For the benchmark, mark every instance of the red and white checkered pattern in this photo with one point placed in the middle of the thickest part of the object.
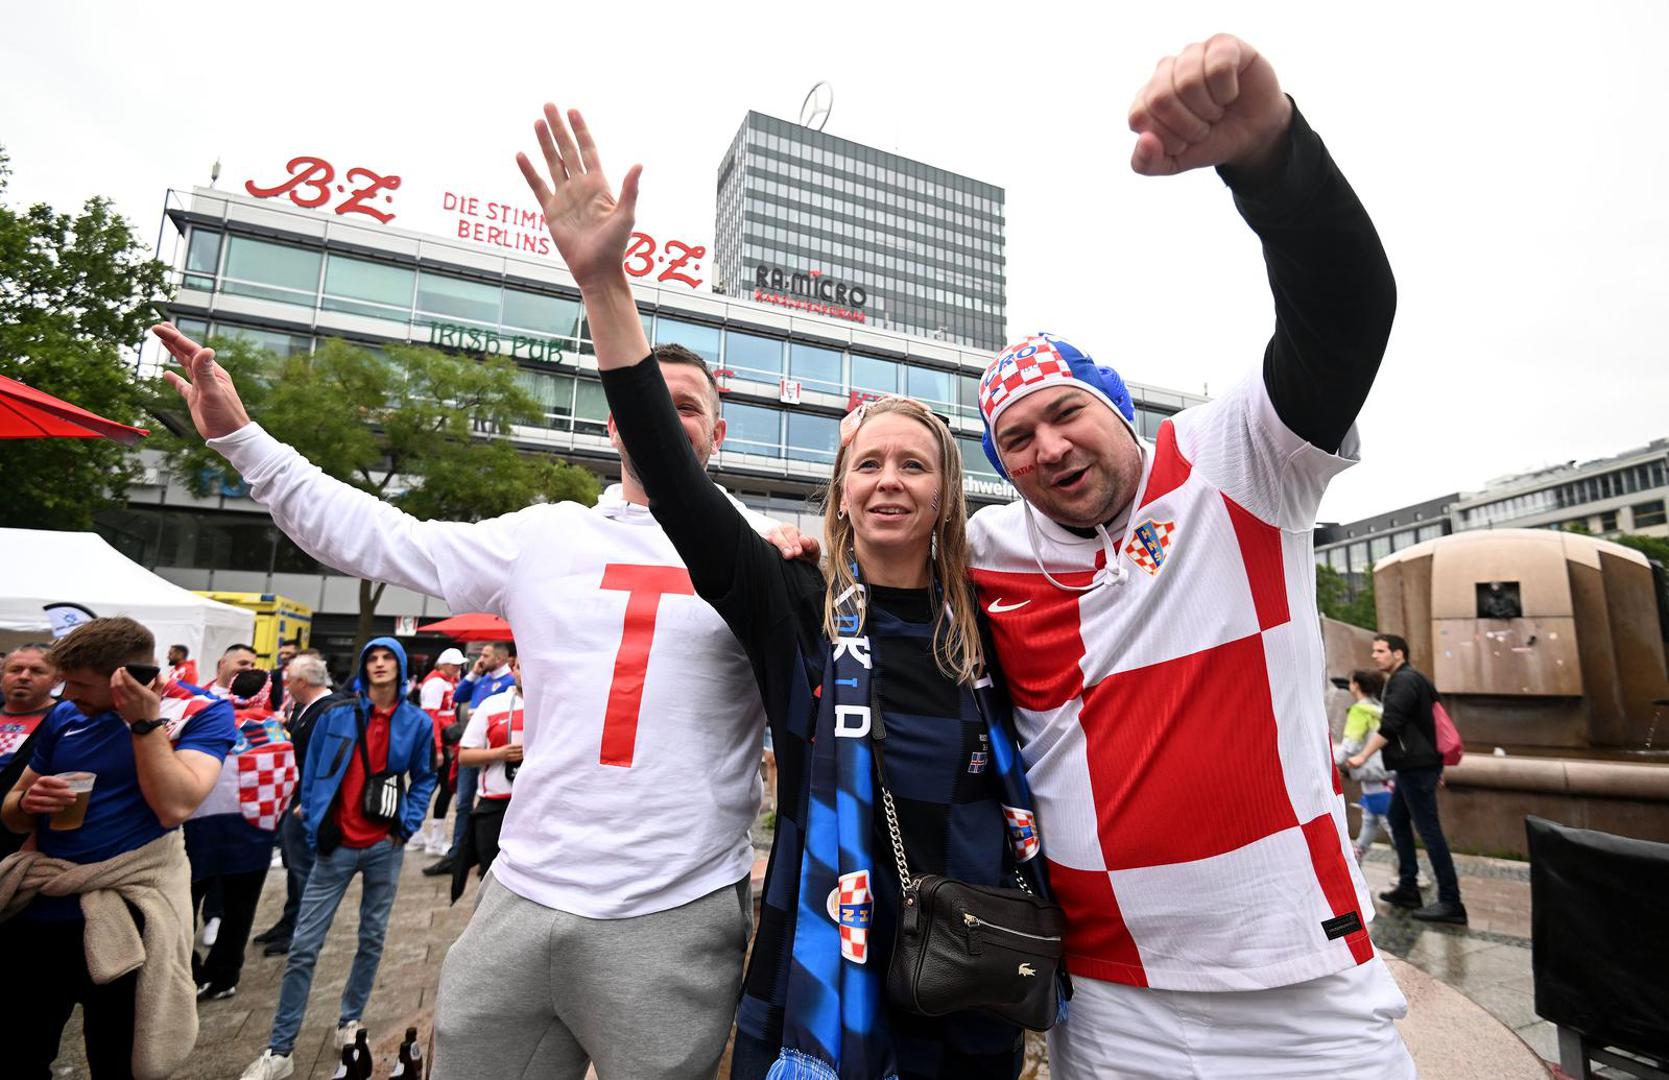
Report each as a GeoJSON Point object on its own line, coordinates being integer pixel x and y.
{"type": "Point", "coordinates": [1138, 552]}
{"type": "Point", "coordinates": [1172, 724]}
{"type": "Point", "coordinates": [13, 736]}
{"type": "Point", "coordinates": [1022, 833]}
{"type": "Point", "coordinates": [1032, 360]}
{"type": "Point", "coordinates": [266, 779]}
{"type": "Point", "coordinates": [854, 890]}
{"type": "Point", "coordinates": [180, 705]}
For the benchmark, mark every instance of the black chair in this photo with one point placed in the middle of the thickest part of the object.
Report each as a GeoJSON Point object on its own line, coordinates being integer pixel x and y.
{"type": "Point", "coordinates": [1599, 916]}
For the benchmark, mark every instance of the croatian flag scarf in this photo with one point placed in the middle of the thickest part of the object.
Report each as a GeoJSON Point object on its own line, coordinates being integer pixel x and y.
{"type": "Point", "coordinates": [835, 1009]}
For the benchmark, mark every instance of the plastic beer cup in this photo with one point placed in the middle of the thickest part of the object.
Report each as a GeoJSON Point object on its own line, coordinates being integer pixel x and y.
{"type": "Point", "coordinates": [71, 816]}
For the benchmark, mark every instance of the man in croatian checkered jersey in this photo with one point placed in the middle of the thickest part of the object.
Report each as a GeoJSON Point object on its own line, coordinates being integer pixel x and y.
{"type": "Point", "coordinates": [1153, 609]}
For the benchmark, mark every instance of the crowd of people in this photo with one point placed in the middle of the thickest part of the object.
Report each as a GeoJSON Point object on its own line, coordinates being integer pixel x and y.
{"type": "Point", "coordinates": [1101, 696]}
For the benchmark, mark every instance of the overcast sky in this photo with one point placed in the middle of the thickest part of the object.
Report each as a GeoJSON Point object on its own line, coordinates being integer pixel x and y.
{"type": "Point", "coordinates": [1513, 158]}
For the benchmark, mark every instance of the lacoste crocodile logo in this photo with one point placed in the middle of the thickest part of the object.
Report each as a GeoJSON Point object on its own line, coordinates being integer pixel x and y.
{"type": "Point", "coordinates": [1026, 970]}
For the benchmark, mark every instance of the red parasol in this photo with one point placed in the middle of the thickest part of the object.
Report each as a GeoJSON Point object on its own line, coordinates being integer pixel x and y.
{"type": "Point", "coordinates": [476, 626]}
{"type": "Point", "coordinates": [27, 413]}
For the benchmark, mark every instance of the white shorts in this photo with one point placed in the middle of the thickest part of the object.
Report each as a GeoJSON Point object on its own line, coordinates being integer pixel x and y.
{"type": "Point", "coordinates": [1341, 1025]}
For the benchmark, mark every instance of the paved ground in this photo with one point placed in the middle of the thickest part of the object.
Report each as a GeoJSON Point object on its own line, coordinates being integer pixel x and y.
{"type": "Point", "coordinates": [1488, 963]}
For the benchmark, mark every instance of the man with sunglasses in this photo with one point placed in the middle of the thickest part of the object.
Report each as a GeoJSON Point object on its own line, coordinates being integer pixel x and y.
{"type": "Point", "coordinates": [152, 751]}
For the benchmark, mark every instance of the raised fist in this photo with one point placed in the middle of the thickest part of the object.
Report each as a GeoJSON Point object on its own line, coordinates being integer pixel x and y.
{"type": "Point", "coordinates": [1217, 102]}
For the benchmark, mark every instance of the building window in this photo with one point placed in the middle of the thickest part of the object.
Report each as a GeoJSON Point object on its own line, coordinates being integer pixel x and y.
{"type": "Point", "coordinates": [974, 462]}
{"type": "Point", "coordinates": [554, 393]}
{"type": "Point", "coordinates": [753, 357]}
{"type": "Point", "coordinates": [458, 298]}
{"type": "Point", "coordinates": [1608, 521]}
{"type": "Point", "coordinates": [1649, 513]}
{"type": "Point", "coordinates": [813, 438]}
{"type": "Point", "coordinates": [750, 429]}
{"type": "Point", "coordinates": [1358, 557]}
{"type": "Point", "coordinates": [557, 316]}
{"type": "Point", "coordinates": [1429, 532]}
{"type": "Point", "coordinates": [701, 340]}
{"type": "Point", "coordinates": [818, 369]}
{"type": "Point", "coordinates": [360, 287]}
{"type": "Point", "coordinates": [1148, 421]}
{"type": "Point", "coordinates": [203, 255]}
{"type": "Point", "coordinates": [590, 407]}
{"type": "Point", "coordinates": [275, 342]}
{"type": "Point", "coordinates": [936, 389]}
{"type": "Point", "coordinates": [271, 271]}
{"type": "Point", "coordinates": [1379, 547]}
{"type": "Point", "coordinates": [874, 376]}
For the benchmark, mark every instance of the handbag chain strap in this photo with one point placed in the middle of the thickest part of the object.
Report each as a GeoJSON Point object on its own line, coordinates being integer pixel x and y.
{"type": "Point", "coordinates": [904, 877]}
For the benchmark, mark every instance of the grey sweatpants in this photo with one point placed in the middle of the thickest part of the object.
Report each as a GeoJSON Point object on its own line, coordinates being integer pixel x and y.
{"type": "Point", "coordinates": [529, 991]}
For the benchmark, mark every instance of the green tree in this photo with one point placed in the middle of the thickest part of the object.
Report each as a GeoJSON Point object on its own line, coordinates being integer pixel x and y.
{"type": "Point", "coordinates": [421, 429]}
{"type": "Point", "coordinates": [1653, 547]}
{"type": "Point", "coordinates": [75, 290]}
{"type": "Point", "coordinates": [1337, 600]}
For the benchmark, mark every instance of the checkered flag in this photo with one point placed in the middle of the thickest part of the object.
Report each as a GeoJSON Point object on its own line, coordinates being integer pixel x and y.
{"type": "Point", "coordinates": [266, 779]}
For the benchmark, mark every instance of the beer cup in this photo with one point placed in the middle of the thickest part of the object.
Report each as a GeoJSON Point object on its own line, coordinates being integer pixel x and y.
{"type": "Point", "coordinates": [71, 816]}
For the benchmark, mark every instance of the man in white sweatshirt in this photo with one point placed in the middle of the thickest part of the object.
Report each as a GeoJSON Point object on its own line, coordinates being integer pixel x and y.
{"type": "Point", "coordinates": [621, 886]}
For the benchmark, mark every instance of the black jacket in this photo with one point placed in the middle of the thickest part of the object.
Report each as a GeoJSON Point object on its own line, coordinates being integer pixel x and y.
{"type": "Point", "coordinates": [1410, 731]}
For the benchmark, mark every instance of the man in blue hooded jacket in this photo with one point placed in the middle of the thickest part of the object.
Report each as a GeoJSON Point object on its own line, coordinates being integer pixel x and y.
{"type": "Point", "coordinates": [364, 789]}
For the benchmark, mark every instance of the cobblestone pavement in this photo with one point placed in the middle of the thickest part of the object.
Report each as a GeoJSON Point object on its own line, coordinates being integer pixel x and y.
{"type": "Point", "coordinates": [1489, 962]}
{"type": "Point", "coordinates": [233, 1032]}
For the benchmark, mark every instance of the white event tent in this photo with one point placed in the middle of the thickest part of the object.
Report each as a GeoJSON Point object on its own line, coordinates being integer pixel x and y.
{"type": "Point", "coordinates": [40, 568]}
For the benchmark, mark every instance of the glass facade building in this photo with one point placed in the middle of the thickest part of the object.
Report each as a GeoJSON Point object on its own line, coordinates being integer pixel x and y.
{"type": "Point", "coordinates": [924, 245]}
{"type": "Point", "coordinates": [287, 279]}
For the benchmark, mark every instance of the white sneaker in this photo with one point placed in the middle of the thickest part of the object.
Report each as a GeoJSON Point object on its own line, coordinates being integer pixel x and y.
{"type": "Point", "coordinates": [269, 1066]}
{"type": "Point", "coordinates": [346, 1034]}
{"type": "Point", "coordinates": [211, 931]}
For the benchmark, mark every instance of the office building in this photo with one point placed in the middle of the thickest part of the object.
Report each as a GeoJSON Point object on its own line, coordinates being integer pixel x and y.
{"type": "Point", "coordinates": [810, 219]}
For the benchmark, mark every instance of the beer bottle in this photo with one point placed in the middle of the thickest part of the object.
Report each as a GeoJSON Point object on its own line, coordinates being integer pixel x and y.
{"type": "Point", "coordinates": [349, 1068]}
{"type": "Point", "coordinates": [410, 1064]}
{"type": "Point", "coordinates": [362, 1054]}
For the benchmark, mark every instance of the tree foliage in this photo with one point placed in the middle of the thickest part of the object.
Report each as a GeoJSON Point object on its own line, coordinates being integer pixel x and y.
{"type": "Point", "coordinates": [1337, 600]}
{"type": "Point", "coordinates": [421, 429]}
{"type": "Point", "coordinates": [75, 290]}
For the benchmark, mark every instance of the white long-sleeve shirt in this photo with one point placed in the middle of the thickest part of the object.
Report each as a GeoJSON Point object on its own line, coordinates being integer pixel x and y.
{"type": "Point", "coordinates": [643, 726]}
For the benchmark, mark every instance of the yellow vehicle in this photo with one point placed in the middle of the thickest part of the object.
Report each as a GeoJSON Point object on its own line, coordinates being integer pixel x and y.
{"type": "Point", "coordinates": [277, 619]}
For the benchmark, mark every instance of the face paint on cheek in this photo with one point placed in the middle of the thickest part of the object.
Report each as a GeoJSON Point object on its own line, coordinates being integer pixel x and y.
{"type": "Point", "coordinates": [1023, 470]}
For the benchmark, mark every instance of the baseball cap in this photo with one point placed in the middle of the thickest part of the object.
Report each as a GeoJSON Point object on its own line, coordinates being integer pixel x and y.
{"type": "Point", "coordinates": [1042, 362]}
{"type": "Point", "coordinates": [450, 656]}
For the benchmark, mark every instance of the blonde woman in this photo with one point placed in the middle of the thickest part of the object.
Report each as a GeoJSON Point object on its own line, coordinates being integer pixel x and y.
{"type": "Point", "coordinates": [885, 650]}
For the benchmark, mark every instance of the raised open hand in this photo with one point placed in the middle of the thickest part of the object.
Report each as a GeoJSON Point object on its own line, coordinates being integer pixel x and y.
{"type": "Point", "coordinates": [1217, 102]}
{"type": "Point", "coordinates": [207, 389]}
{"type": "Point", "coordinates": [590, 224]}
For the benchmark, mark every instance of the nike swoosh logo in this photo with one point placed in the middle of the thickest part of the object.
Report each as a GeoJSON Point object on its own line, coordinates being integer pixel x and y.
{"type": "Point", "coordinates": [998, 607]}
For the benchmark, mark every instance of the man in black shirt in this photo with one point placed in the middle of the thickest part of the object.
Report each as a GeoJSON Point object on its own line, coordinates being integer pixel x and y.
{"type": "Point", "coordinates": [1408, 736]}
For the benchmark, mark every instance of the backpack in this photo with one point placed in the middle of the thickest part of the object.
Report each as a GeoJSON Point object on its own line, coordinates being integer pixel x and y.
{"type": "Point", "coordinates": [1449, 744]}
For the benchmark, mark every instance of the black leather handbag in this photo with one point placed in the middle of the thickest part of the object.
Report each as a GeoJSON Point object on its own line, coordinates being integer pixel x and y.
{"type": "Point", "coordinates": [982, 947]}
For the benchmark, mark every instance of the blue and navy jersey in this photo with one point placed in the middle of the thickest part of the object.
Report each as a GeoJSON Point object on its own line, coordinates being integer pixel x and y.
{"type": "Point", "coordinates": [118, 817]}
{"type": "Point", "coordinates": [473, 691]}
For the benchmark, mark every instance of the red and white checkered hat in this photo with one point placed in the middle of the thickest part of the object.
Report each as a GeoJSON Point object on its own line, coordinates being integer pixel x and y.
{"type": "Point", "coordinates": [1040, 362]}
